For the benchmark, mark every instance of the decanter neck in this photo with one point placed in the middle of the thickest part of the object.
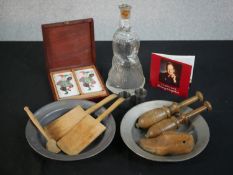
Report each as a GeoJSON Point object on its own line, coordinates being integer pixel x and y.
{"type": "Point", "coordinates": [125, 24]}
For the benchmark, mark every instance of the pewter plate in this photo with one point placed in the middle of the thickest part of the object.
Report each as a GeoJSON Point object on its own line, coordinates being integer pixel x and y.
{"type": "Point", "coordinates": [56, 109]}
{"type": "Point", "coordinates": [131, 135]}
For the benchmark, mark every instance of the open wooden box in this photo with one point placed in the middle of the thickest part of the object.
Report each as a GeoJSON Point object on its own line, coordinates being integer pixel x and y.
{"type": "Point", "coordinates": [70, 59]}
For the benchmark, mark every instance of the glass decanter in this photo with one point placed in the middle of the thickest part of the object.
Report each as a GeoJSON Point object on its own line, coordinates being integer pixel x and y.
{"type": "Point", "coordinates": [126, 72]}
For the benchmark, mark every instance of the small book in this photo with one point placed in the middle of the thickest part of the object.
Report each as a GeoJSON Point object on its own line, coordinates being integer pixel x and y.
{"type": "Point", "coordinates": [172, 73]}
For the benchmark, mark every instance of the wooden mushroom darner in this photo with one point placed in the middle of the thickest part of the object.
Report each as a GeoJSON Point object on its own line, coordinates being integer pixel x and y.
{"type": "Point", "coordinates": [155, 115]}
{"type": "Point", "coordinates": [174, 123]}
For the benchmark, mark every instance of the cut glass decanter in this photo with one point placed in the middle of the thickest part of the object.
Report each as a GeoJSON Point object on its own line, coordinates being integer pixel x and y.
{"type": "Point", "coordinates": [126, 72]}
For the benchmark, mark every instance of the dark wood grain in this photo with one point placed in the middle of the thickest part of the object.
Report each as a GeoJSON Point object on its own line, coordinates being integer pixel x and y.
{"type": "Point", "coordinates": [67, 45]}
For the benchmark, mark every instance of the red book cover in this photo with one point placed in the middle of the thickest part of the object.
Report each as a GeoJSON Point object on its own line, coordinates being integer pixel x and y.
{"type": "Point", "coordinates": [171, 75]}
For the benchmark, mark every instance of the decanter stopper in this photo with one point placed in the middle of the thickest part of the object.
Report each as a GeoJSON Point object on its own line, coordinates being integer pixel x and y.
{"type": "Point", "coordinates": [125, 11]}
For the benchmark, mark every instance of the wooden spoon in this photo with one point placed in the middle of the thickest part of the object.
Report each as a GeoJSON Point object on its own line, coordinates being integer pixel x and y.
{"type": "Point", "coordinates": [51, 144]}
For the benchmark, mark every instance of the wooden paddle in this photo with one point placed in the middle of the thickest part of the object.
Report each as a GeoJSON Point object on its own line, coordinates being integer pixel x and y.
{"type": "Point", "coordinates": [85, 131]}
{"type": "Point", "coordinates": [59, 127]}
{"type": "Point", "coordinates": [51, 144]}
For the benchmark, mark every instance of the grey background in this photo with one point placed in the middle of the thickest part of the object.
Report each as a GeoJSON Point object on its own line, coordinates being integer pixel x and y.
{"type": "Point", "coordinates": [20, 20]}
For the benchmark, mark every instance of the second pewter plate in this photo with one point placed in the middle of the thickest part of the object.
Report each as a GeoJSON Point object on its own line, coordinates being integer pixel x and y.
{"type": "Point", "coordinates": [48, 113]}
{"type": "Point", "coordinates": [131, 135]}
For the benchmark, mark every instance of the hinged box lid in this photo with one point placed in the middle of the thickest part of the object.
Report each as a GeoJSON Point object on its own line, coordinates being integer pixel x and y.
{"type": "Point", "coordinates": [69, 44]}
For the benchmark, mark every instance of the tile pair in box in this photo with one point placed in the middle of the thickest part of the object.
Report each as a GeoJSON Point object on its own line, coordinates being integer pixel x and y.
{"type": "Point", "coordinates": [70, 57]}
{"type": "Point", "coordinates": [83, 81]}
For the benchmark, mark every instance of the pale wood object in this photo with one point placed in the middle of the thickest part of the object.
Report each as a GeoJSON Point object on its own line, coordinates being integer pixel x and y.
{"type": "Point", "coordinates": [51, 144]}
{"type": "Point", "coordinates": [155, 115]}
{"type": "Point", "coordinates": [174, 123]}
{"type": "Point", "coordinates": [169, 143]}
{"type": "Point", "coordinates": [85, 132]}
{"type": "Point", "coordinates": [59, 127]}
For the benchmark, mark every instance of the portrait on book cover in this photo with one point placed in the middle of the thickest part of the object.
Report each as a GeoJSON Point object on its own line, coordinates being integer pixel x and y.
{"type": "Point", "coordinates": [170, 72]}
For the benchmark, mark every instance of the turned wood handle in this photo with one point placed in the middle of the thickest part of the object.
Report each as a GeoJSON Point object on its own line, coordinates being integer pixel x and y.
{"type": "Point", "coordinates": [186, 117]}
{"type": "Point", "coordinates": [101, 103]}
{"type": "Point", "coordinates": [110, 109]}
{"type": "Point", "coordinates": [198, 96]}
{"type": "Point", "coordinates": [36, 122]}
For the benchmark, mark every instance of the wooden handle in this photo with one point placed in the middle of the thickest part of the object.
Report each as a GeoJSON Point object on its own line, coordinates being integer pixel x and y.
{"type": "Point", "coordinates": [187, 116]}
{"type": "Point", "coordinates": [101, 103]}
{"type": "Point", "coordinates": [36, 122]}
{"type": "Point", "coordinates": [191, 100]}
{"type": "Point", "coordinates": [110, 109]}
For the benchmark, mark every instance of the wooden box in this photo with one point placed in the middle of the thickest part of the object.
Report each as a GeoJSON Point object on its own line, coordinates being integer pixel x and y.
{"type": "Point", "coordinates": [70, 60]}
